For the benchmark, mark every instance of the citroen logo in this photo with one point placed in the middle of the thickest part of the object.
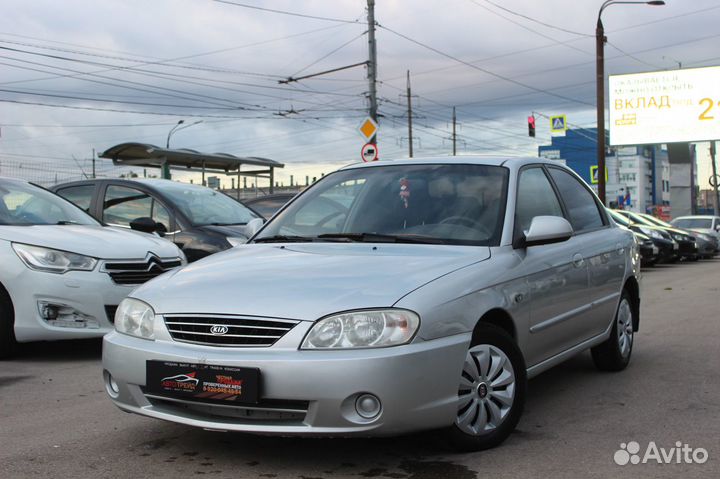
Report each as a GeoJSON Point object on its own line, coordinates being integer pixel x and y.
{"type": "Point", "coordinates": [219, 330]}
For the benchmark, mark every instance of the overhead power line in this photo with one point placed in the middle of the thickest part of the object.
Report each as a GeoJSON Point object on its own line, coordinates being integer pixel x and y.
{"type": "Point", "coordinates": [534, 20]}
{"type": "Point", "coordinates": [283, 12]}
{"type": "Point", "coordinates": [484, 70]}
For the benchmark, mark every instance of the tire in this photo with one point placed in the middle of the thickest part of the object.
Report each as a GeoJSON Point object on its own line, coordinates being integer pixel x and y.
{"type": "Point", "coordinates": [491, 394]}
{"type": "Point", "coordinates": [7, 332]}
{"type": "Point", "coordinates": [614, 354]}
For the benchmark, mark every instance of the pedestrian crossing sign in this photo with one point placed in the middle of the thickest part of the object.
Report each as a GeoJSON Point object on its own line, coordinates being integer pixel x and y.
{"type": "Point", "coordinates": [558, 124]}
{"type": "Point", "coordinates": [594, 175]}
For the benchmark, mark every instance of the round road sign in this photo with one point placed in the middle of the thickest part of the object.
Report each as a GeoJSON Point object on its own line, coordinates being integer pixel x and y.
{"type": "Point", "coordinates": [369, 152]}
{"type": "Point", "coordinates": [714, 180]}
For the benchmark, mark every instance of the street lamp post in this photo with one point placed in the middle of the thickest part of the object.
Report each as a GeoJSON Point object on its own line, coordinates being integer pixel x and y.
{"type": "Point", "coordinates": [179, 126]}
{"type": "Point", "coordinates": [600, 40]}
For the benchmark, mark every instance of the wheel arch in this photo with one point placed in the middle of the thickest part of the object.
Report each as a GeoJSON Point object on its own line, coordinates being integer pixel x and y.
{"type": "Point", "coordinates": [633, 288]}
{"type": "Point", "coordinates": [5, 298]}
{"type": "Point", "coordinates": [500, 318]}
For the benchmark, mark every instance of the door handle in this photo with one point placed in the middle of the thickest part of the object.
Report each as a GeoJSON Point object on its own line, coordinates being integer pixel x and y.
{"type": "Point", "coordinates": [620, 249]}
{"type": "Point", "coordinates": [578, 260]}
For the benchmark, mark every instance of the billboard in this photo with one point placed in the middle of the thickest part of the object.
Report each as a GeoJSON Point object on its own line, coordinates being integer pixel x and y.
{"type": "Point", "coordinates": [665, 107]}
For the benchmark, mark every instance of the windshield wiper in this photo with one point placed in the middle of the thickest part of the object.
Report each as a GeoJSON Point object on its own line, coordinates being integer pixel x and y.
{"type": "Point", "coordinates": [223, 224]}
{"type": "Point", "coordinates": [66, 222]}
{"type": "Point", "coordinates": [284, 239]}
{"type": "Point", "coordinates": [382, 238]}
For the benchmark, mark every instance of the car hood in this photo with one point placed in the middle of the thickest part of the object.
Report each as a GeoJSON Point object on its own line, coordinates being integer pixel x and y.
{"type": "Point", "coordinates": [97, 241]}
{"type": "Point", "coordinates": [304, 281]}
{"type": "Point", "coordinates": [229, 231]}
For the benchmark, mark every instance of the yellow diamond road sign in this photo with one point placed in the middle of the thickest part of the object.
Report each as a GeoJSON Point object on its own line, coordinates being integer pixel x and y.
{"type": "Point", "coordinates": [368, 128]}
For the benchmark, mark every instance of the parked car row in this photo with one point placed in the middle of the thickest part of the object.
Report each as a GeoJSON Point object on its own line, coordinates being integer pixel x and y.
{"type": "Point", "coordinates": [663, 242]}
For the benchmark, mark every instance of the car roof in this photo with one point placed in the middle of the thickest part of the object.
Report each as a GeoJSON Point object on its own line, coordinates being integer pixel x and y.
{"type": "Point", "coordinates": [507, 161]}
{"type": "Point", "coordinates": [156, 183]}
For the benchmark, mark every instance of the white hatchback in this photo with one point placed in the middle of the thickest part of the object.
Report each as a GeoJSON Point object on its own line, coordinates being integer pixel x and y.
{"type": "Point", "coordinates": [63, 273]}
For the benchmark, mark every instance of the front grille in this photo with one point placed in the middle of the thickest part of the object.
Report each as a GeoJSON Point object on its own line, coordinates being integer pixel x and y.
{"type": "Point", "coordinates": [227, 330]}
{"type": "Point", "coordinates": [110, 310]}
{"type": "Point", "coordinates": [138, 272]}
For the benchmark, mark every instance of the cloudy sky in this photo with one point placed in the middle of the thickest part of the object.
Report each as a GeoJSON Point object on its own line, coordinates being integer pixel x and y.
{"type": "Point", "coordinates": [77, 75]}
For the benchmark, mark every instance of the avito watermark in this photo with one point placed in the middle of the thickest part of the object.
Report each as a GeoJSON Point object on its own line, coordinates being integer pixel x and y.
{"type": "Point", "coordinates": [629, 453]}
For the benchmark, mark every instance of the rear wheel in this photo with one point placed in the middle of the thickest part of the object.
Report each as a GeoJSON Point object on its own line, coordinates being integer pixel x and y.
{"type": "Point", "coordinates": [491, 391]}
{"type": "Point", "coordinates": [614, 354]}
{"type": "Point", "coordinates": [7, 333]}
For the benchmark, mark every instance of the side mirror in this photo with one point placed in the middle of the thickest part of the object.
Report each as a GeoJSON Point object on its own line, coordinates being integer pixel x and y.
{"type": "Point", "coordinates": [145, 224]}
{"type": "Point", "coordinates": [717, 227]}
{"type": "Point", "coordinates": [253, 226]}
{"type": "Point", "coordinates": [547, 230]}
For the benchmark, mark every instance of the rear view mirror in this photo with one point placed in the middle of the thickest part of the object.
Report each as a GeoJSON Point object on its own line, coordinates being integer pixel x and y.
{"type": "Point", "coordinates": [253, 226]}
{"type": "Point", "coordinates": [547, 230]}
{"type": "Point", "coordinates": [145, 224]}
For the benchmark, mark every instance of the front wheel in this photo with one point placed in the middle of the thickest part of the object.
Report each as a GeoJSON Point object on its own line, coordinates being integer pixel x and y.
{"type": "Point", "coordinates": [614, 354]}
{"type": "Point", "coordinates": [491, 391]}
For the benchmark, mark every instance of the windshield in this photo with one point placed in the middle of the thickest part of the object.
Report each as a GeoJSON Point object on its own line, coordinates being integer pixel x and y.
{"type": "Point", "coordinates": [691, 223]}
{"type": "Point", "coordinates": [442, 203]}
{"type": "Point", "coordinates": [657, 221]}
{"type": "Point", "coordinates": [204, 206]}
{"type": "Point", "coordinates": [23, 204]}
{"type": "Point", "coordinates": [638, 219]}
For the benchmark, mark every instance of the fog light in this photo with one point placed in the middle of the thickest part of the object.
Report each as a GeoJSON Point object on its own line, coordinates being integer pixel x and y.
{"type": "Point", "coordinates": [48, 311]}
{"type": "Point", "coordinates": [111, 385]}
{"type": "Point", "coordinates": [64, 316]}
{"type": "Point", "coordinates": [367, 406]}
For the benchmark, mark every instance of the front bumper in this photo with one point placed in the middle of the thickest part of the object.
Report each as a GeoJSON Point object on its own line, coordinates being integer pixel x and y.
{"type": "Point", "coordinates": [89, 293]}
{"type": "Point", "coordinates": [302, 392]}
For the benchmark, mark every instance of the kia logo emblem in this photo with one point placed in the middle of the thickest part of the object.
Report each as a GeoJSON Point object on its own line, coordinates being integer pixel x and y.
{"type": "Point", "coordinates": [219, 330]}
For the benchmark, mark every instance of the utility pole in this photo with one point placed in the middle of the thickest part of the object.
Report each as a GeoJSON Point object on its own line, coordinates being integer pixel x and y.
{"type": "Point", "coordinates": [454, 135]}
{"type": "Point", "coordinates": [372, 64]}
{"type": "Point", "coordinates": [409, 98]}
{"type": "Point", "coordinates": [93, 163]}
{"type": "Point", "coordinates": [715, 177]}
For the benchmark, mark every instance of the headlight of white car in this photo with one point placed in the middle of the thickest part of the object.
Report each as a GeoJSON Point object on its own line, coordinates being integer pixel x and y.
{"type": "Point", "coordinates": [52, 260]}
{"type": "Point", "coordinates": [135, 318]}
{"type": "Point", "coordinates": [363, 329]}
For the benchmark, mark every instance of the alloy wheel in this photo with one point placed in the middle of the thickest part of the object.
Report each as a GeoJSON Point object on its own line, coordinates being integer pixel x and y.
{"type": "Point", "coordinates": [625, 328]}
{"type": "Point", "coordinates": [486, 391]}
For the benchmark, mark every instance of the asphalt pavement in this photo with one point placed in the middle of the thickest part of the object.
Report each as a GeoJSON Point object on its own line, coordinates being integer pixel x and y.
{"type": "Point", "coordinates": [56, 421]}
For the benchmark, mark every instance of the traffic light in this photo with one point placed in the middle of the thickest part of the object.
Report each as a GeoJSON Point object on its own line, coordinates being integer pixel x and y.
{"type": "Point", "coordinates": [531, 126]}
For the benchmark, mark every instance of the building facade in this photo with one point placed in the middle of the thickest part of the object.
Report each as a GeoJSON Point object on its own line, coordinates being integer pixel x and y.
{"type": "Point", "coordinates": [637, 177]}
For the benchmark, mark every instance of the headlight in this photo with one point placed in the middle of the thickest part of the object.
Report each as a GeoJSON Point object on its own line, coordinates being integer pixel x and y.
{"type": "Point", "coordinates": [135, 318]}
{"type": "Point", "coordinates": [651, 233]}
{"type": "Point", "coordinates": [678, 237]}
{"type": "Point", "coordinates": [52, 260]}
{"type": "Point", "coordinates": [236, 241]}
{"type": "Point", "coordinates": [363, 329]}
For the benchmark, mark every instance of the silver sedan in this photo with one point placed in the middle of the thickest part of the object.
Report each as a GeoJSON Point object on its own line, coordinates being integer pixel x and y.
{"type": "Point", "coordinates": [388, 297]}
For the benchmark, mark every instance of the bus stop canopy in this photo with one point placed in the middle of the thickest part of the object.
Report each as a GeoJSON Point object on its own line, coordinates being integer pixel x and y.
{"type": "Point", "coordinates": [151, 156]}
